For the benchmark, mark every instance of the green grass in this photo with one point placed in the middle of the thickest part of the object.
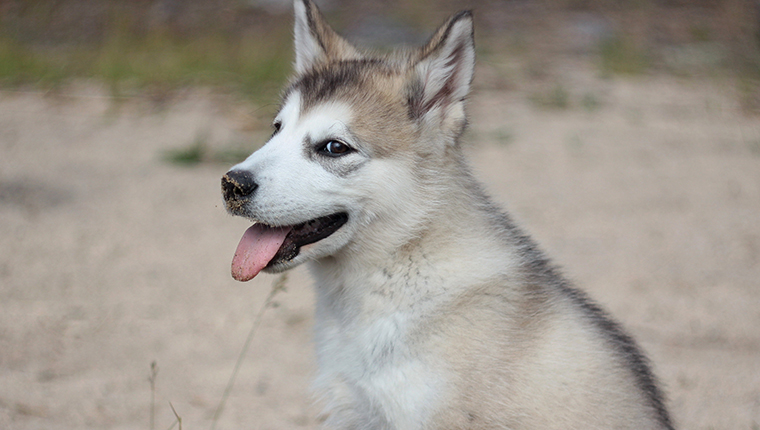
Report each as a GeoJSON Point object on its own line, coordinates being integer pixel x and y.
{"type": "Point", "coordinates": [502, 136]}
{"type": "Point", "coordinates": [195, 153]}
{"type": "Point", "coordinates": [555, 98]}
{"type": "Point", "coordinates": [590, 102]}
{"type": "Point", "coordinates": [619, 56]}
{"type": "Point", "coordinates": [747, 66]}
{"type": "Point", "coordinates": [254, 65]}
{"type": "Point", "coordinates": [20, 65]}
{"type": "Point", "coordinates": [200, 151]}
{"type": "Point", "coordinates": [754, 147]}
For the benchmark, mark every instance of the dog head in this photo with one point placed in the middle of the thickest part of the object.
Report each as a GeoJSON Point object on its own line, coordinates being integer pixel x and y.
{"type": "Point", "coordinates": [355, 139]}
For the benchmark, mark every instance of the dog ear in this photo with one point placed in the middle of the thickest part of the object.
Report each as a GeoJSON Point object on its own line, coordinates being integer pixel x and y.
{"type": "Point", "coordinates": [443, 70]}
{"type": "Point", "coordinates": [315, 41]}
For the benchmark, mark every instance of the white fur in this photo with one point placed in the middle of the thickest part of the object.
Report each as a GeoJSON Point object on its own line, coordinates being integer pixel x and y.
{"type": "Point", "coordinates": [451, 65]}
{"type": "Point", "coordinates": [307, 47]}
{"type": "Point", "coordinates": [291, 190]}
{"type": "Point", "coordinates": [370, 353]}
{"type": "Point", "coordinates": [439, 68]}
{"type": "Point", "coordinates": [307, 194]}
{"type": "Point", "coordinates": [432, 310]}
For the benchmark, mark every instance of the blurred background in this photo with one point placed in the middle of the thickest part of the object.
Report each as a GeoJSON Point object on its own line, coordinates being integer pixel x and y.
{"type": "Point", "coordinates": [624, 135]}
{"type": "Point", "coordinates": [159, 47]}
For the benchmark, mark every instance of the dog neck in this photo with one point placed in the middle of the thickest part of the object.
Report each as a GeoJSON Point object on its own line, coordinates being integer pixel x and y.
{"type": "Point", "coordinates": [393, 272]}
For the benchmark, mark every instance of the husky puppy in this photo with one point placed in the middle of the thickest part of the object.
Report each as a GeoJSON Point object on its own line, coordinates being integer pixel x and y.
{"type": "Point", "coordinates": [433, 310]}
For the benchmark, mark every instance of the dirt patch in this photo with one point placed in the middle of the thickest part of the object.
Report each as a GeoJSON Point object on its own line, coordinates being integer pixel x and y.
{"type": "Point", "coordinates": [113, 258]}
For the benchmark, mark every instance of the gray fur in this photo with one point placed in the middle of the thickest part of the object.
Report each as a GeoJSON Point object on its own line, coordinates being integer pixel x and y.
{"type": "Point", "coordinates": [434, 311]}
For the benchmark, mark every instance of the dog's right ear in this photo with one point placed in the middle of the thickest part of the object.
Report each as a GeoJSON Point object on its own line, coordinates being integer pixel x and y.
{"type": "Point", "coordinates": [315, 41]}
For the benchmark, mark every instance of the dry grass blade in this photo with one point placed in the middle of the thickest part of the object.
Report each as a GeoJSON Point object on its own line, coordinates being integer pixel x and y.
{"type": "Point", "coordinates": [179, 418]}
{"type": "Point", "coordinates": [277, 286]}
{"type": "Point", "coordinates": [152, 380]}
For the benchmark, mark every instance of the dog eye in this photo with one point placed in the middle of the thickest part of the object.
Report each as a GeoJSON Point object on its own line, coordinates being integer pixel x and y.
{"type": "Point", "coordinates": [277, 125]}
{"type": "Point", "coordinates": [334, 148]}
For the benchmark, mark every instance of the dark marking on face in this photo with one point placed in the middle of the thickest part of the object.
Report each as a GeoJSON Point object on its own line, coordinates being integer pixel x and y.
{"type": "Point", "coordinates": [308, 148]}
{"type": "Point", "coordinates": [340, 80]}
{"type": "Point", "coordinates": [414, 99]}
{"type": "Point", "coordinates": [338, 166]}
{"type": "Point", "coordinates": [374, 88]}
{"type": "Point", "coordinates": [311, 22]}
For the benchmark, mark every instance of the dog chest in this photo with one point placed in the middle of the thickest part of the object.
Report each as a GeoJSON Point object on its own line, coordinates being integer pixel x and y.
{"type": "Point", "coordinates": [378, 363]}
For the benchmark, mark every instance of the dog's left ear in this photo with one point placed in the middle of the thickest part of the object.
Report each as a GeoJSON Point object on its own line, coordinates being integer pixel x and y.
{"type": "Point", "coordinates": [443, 71]}
{"type": "Point", "coordinates": [315, 41]}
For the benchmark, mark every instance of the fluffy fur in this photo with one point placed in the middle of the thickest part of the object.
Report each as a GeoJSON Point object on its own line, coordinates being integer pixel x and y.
{"type": "Point", "coordinates": [433, 310]}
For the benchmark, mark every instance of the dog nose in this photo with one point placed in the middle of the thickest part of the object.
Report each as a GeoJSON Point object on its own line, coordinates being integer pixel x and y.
{"type": "Point", "coordinates": [237, 185]}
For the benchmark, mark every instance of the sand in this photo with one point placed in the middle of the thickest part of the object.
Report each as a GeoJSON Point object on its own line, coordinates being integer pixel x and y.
{"type": "Point", "coordinates": [112, 258]}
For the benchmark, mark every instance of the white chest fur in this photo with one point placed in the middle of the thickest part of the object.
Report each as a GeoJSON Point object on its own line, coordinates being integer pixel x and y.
{"type": "Point", "coordinates": [371, 367]}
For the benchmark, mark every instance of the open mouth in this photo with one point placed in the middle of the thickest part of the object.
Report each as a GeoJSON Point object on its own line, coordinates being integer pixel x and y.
{"type": "Point", "coordinates": [265, 246]}
{"type": "Point", "coordinates": [306, 233]}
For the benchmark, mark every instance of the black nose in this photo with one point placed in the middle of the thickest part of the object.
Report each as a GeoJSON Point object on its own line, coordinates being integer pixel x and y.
{"type": "Point", "coordinates": [238, 185]}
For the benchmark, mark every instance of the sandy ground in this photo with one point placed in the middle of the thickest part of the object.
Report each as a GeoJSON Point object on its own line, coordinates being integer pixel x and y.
{"type": "Point", "coordinates": [112, 258]}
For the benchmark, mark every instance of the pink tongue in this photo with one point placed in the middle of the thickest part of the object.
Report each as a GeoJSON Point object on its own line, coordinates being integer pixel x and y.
{"type": "Point", "coordinates": [256, 249]}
